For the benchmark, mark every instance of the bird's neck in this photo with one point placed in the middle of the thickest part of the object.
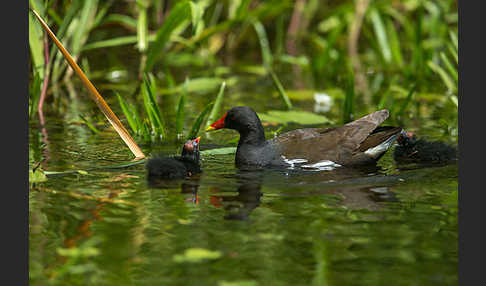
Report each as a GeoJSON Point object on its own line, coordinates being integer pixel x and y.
{"type": "Point", "coordinates": [255, 135]}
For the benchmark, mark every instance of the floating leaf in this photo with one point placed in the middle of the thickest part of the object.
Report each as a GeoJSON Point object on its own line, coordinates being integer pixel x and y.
{"type": "Point", "coordinates": [196, 255]}
{"type": "Point", "coordinates": [219, 151]}
{"type": "Point", "coordinates": [300, 117]}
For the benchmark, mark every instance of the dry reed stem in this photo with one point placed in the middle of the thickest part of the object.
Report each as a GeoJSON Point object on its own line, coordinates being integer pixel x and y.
{"type": "Point", "coordinates": [100, 102]}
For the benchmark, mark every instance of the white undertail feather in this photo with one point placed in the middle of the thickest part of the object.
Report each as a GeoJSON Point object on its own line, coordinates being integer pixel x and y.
{"type": "Point", "coordinates": [379, 149]}
{"type": "Point", "coordinates": [325, 165]}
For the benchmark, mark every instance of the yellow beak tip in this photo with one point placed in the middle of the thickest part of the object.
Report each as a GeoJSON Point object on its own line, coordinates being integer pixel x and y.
{"type": "Point", "coordinates": [210, 128]}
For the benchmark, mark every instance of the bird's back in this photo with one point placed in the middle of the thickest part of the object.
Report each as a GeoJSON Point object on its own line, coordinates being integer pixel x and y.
{"type": "Point", "coordinates": [338, 144]}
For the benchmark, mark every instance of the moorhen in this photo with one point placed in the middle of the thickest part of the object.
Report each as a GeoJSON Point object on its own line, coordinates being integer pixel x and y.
{"type": "Point", "coordinates": [176, 167]}
{"type": "Point", "coordinates": [359, 142]}
{"type": "Point", "coordinates": [410, 149]}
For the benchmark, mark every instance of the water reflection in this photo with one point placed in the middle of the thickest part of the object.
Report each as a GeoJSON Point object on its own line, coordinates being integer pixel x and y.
{"type": "Point", "coordinates": [240, 206]}
{"type": "Point", "coordinates": [356, 188]}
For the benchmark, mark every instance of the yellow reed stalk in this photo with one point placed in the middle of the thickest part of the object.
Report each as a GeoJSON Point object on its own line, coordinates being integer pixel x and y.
{"type": "Point", "coordinates": [94, 94]}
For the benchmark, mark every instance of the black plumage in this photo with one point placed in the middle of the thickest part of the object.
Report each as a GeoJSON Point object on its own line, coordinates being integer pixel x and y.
{"type": "Point", "coordinates": [359, 142]}
{"type": "Point", "coordinates": [410, 149]}
{"type": "Point", "coordinates": [176, 167]}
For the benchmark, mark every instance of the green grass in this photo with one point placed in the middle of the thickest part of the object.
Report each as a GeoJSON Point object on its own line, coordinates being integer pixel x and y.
{"type": "Point", "coordinates": [401, 46]}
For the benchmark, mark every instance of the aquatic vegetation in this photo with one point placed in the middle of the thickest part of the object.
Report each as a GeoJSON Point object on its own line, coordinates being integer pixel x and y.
{"type": "Point", "coordinates": [169, 68]}
{"type": "Point", "coordinates": [405, 39]}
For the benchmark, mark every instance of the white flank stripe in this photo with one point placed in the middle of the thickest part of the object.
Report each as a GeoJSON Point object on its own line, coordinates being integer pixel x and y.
{"type": "Point", "coordinates": [325, 165]}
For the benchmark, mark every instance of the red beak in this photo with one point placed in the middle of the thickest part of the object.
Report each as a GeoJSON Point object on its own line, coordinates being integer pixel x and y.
{"type": "Point", "coordinates": [218, 124]}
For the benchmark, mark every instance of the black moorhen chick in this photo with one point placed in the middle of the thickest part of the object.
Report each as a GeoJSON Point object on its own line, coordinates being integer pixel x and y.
{"type": "Point", "coordinates": [413, 150]}
{"type": "Point", "coordinates": [176, 167]}
{"type": "Point", "coordinates": [359, 142]}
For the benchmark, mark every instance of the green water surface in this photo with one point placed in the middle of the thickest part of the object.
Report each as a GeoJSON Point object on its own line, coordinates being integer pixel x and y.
{"type": "Point", "coordinates": [390, 225]}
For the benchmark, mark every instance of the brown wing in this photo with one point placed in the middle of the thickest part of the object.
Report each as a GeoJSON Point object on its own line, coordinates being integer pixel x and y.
{"type": "Point", "coordinates": [336, 144]}
{"type": "Point", "coordinates": [378, 137]}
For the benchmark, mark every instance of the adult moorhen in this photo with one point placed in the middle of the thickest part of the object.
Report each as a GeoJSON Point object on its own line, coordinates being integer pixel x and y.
{"type": "Point", "coordinates": [359, 142]}
{"type": "Point", "coordinates": [176, 167]}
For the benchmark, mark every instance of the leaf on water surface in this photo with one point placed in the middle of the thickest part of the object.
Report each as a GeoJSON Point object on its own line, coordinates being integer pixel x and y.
{"type": "Point", "coordinates": [300, 117]}
{"type": "Point", "coordinates": [219, 151]}
{"type": "Point", "coordinates": [196, 255]}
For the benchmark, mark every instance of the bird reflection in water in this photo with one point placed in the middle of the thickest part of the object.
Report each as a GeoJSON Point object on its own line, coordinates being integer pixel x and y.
{"type": "Point", "coordinates": [240, 206]}
{"type": "Point", "coordinates": [358, 188]}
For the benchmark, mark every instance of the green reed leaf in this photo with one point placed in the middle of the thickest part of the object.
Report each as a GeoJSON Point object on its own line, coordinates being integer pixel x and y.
{"type": "Point", "coordinates": [180, 110]}
{"type": "Point", "coordinates": [153, 109]}
{"type": "Point", "coordinates": [142, 28]}
{"type": "Point", "coordinates": [280, 89]}
{"type": "Point", "coordinates": [446, 79]}
{"type": "Point", "coordinates": [179, 13]}
{"type": "Point", "coordinates": [36, 45]}
{"type": "Point", "coordinates": [381, 36]}
{"type": "Point", "coordinates": [217, 105]}
{"type": "Point", "coordinates": [129, 114]}
{"type": "Point", "coordinates": [199, 120]}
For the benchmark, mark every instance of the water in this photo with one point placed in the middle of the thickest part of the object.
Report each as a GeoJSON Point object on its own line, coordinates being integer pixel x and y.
{"type": "Point", "coordinates": [378, 226]}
